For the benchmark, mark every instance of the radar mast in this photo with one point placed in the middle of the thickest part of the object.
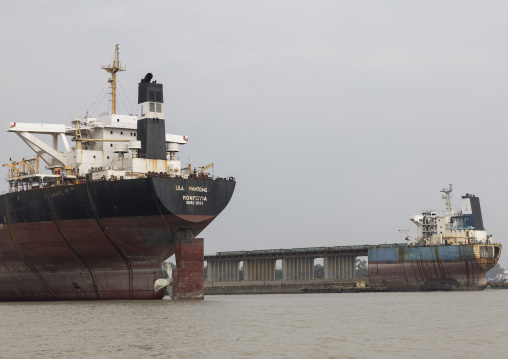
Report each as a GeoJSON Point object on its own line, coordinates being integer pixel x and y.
{"type": "Point", "coordinates": [447, 195]}
{"type": "Point", "coordinates": [113, 69]}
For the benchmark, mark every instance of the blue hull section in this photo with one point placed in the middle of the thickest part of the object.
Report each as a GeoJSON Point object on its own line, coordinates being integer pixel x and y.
{"type": "Point", "coordinates": [454, 267]}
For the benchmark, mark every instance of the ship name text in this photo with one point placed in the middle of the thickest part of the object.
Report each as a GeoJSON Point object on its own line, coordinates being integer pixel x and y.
{"type": "Point", "coordinates": [198, 189]}
{"type": "Point", "coordinates": [195, 200]}
{"type": "Point", "coordinates": [191, 188]}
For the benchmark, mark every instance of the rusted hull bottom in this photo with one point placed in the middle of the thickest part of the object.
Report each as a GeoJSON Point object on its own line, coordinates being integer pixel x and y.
{"type": "Point", "coordinates": [94, 259]}
{"type": "Point", "coordinates": [427, 275]}
{"type": "Point", "coordinates": [429, 268]}
{"type": "Point", "coordinates": [101, 240]}
{"type": "Point", "coordinates": [60, 286]}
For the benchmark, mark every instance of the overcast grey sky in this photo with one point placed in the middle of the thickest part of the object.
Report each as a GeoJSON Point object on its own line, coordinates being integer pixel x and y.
{"type": "Point", "coordinates": [339, 119]}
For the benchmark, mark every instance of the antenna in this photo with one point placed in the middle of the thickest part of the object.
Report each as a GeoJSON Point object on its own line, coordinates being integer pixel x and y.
{"type": "Point", "coordinates": [113, 69]}
{"type": "Point", "coordinates": [447, 195]}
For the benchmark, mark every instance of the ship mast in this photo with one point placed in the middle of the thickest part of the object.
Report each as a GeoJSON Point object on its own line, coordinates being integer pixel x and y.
{"type": "Point", "coordinates": [447, 195]}
{"type": "Point", "coordinates": [113, 69]}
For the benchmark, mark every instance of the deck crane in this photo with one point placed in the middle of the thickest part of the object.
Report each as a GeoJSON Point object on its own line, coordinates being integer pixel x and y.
{"type": "Point", "coordinates": [204, 168]}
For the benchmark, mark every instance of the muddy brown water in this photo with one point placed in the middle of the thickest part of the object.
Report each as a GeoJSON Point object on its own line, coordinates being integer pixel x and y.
{"type": "Point", "coordinates": [348, 325]}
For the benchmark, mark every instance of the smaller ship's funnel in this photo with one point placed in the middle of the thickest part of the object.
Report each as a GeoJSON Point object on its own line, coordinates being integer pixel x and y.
{"type": "Point", "coordinates": [472, 211]}
{"type": "Point", "coordinates": [151, 127]}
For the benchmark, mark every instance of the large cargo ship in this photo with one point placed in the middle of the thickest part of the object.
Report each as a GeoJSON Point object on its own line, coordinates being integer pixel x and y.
{"type": "Point", "coordinates": [111, 209]}
{"type": "Point", "coordinates": [452, 251]}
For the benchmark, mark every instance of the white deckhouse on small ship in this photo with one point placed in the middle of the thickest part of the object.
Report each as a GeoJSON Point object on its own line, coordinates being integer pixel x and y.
{"type": "Point", "coordinates": [452, 226]}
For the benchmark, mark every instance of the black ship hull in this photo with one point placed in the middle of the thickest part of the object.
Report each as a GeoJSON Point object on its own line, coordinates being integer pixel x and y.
{"type": "Point", "coordinates": [100, 240]}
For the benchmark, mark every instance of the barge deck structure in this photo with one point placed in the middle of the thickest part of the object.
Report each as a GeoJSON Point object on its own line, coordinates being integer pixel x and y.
{"type": "Point", "coordinates": [452, 251]}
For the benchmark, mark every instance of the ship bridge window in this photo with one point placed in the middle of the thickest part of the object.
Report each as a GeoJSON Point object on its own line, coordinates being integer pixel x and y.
{"type": "Point", "coordinates": [151, 95]}
{"type": "Point", "coordinates": [111, 132]}
{"type": "Point", "coordinates": [117, 120]}
{"type": "Point", "coordinates": [152, 107]}
{"type": "Point", "coordinates": [158, 107]}
{"type": "Point", "coordinates": [158, 96]}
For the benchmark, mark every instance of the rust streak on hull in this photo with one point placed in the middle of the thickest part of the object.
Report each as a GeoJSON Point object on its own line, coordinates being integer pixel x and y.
{"type": "Point", "coordinates": [74, 243]}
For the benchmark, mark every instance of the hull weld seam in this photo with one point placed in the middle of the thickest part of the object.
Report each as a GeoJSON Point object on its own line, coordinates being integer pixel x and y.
{"type": "Point", "coordinates": [127, 262]}
{"type": "Point", "coordinates": [94, 281]}
{"type": "Point", "coordinates": [22, 256]}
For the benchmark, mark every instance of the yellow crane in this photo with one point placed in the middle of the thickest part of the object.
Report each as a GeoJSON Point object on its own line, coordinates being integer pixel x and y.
{"type": "Point", "coordinates": [204, 168]}
{"type": "Point", "coordinates": [29, 166]}
{"type": "Point", "coordinates": [202, 174]}
{"type": "Point", "coordinates": [187, 168]}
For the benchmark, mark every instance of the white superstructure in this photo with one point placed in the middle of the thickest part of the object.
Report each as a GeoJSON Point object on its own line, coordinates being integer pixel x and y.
{"type": "Point", "coordinates": [501, 278]}
{"type": "Point", "coordinates": [452, 226]}
{"type": "Point", "coordinates": [107, 147]}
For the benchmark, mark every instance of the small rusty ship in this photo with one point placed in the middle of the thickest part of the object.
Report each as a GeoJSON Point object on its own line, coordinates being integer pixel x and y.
{"type": "Point", "coordinates": [500, 282]}
{"type": "Point", "coordinates": [111, 209]}
{"type": "Point", "coordinates": [452, 251]}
